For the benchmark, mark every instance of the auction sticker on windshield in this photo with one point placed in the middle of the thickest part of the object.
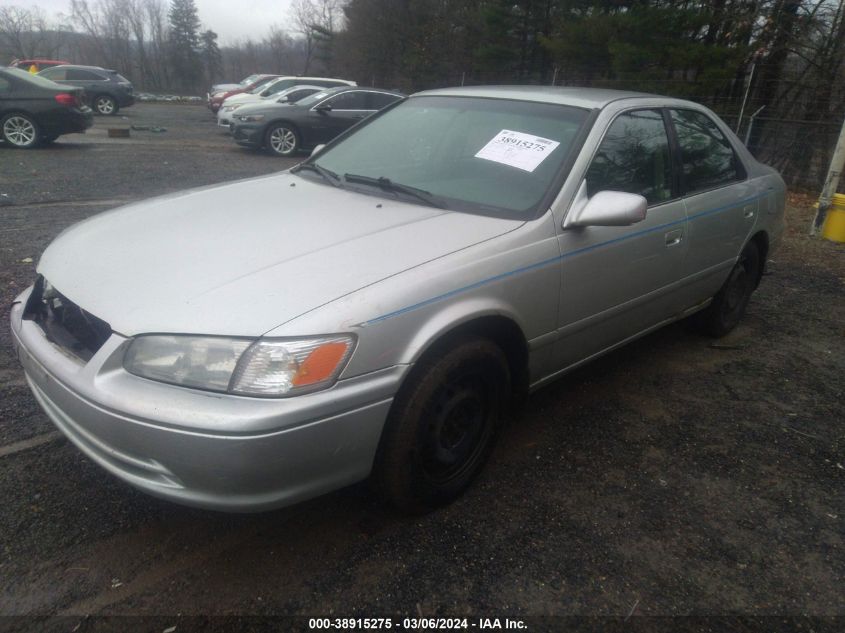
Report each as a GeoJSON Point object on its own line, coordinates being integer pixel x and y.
{"type": "Point", "coordinates": [523, 151]}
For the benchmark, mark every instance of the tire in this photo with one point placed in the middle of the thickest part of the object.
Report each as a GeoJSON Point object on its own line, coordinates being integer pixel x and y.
{"type": "Point", "coordinates": [728, 306]}
{"type": "Point", "coordinates": [105, 105]}
{"type": "Point", "coordinates": [442, 426]}
{"type": "Point", "coordinates": [20, 131]}
{"type": "Point", "coordinates": [282, 139]}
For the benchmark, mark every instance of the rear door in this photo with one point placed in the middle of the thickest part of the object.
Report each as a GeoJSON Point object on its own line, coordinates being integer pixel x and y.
{"type": "Point", "coordinates": [721, 203]}
{"type": "Point", "coordinates": [617, 281]}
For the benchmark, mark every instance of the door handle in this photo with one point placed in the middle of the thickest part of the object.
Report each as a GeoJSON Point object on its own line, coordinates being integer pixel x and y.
{"type": "Point", "coordinates": [675, 237]}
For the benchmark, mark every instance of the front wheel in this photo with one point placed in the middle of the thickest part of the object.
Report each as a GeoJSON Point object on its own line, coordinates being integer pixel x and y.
{"type": "Point", "coordinates": [282, 139]}
{"type": "Point", "coordinates": [20, 131]}
{"type": "Point", "coordinates": [442, 426]}
{"type": "Point", "coordinates": [728, 306]}
{"type": "Point", "coordinates": [105, 105]}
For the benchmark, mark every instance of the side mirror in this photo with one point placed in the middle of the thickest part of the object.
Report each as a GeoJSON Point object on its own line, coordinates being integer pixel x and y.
{"type": "Point", "coordinates": [324, 107]}
{"type": "Point", "coordinates": [609, 208]}
{"type": "Point", "coordinates": [318, 149]}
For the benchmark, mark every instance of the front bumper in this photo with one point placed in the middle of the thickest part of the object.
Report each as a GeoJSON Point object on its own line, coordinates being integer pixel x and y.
{"type": "Point", "coordinates": [206, 449]}
{"type": "Point", "coordinates": [247, 134]}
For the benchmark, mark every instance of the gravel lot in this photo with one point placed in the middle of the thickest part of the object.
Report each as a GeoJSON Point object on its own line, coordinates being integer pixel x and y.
{"type": "Point", "coordinates": [677, 476]}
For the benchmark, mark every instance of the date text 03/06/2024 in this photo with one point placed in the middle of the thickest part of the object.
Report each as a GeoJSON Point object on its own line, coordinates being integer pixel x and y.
{"type": "Point", "coordinates": [411, 624]}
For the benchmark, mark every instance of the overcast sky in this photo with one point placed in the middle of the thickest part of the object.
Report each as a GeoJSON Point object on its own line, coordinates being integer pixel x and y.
{"type": "Point", "coordinates": [231, 19]}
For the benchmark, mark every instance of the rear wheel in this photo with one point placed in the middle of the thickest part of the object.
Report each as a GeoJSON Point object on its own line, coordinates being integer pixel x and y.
{"type": "Point", "coordinates": [442, 426]}
{"type": "Point", "coordinates": [19, 130]}
{"type": "Point", "coordinates": [104, 104]}
{"type": "Point", "coordinates": [282, 139]}
{"type": "Point", "coordinates": [729, 304]}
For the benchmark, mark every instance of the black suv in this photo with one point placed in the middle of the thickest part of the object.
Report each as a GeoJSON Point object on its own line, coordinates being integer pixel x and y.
{"type": "Point", "coordinates": [106, 90]}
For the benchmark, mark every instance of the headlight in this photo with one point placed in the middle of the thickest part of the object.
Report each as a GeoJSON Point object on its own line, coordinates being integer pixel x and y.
{"type": "Point", "coordinates": [229, 108]}
{"type": "Point", "coordinates": [249, 118]}
{"type": "Point", "coordinates": [271, 367]}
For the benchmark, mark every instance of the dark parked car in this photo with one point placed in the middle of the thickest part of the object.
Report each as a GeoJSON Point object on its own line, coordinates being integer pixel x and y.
{"type": "Point", "coordinates": [34, 110]}
{"type": "Point", "coordinates": [106, 90]}
{"type": "Point", "coordinates": [284, 129]}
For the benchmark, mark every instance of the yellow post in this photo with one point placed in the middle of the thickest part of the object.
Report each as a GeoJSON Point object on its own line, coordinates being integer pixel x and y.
{"type": "Point", "coordinates": [834, 223]}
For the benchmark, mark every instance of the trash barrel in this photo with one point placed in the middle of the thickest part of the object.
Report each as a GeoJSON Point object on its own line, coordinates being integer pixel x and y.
{"type": "Point", "coordinates": [834, 223]}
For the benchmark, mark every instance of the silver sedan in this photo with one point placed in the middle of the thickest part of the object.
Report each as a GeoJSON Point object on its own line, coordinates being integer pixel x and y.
{"type": "Point", "coordinates": [369, 312]}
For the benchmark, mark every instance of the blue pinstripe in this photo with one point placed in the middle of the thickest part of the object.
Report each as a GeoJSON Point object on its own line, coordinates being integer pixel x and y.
{"type": "Point", "coordinates": [558, 258]}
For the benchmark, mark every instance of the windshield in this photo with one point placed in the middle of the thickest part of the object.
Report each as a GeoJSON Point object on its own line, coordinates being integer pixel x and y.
{"type": "Point", "coordinates": [249, 80]}
{"type": "Point", "coordinates": [313, 99]}
{"type": "Point", "coordinates": [467, 152]}
{"type": "Point", "coordinates": [278, 86]}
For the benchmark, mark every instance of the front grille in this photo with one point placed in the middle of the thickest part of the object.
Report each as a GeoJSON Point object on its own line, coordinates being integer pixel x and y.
{"type": "Point", "coordinates": [65, 324]}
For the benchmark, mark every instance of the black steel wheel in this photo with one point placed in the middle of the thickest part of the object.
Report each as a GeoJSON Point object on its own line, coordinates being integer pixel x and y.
{"type": "Point", "coordinates": [729, 304]}
{"type": "Point", "coordinates": [443, 425]}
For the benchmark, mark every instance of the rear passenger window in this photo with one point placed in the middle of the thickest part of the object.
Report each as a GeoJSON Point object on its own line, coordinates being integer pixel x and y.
{"type": "Point", "coordinates": [707, 155]}
{"type": "Point", "coordinates": [76, 74]}
{"type": "Point", "coordinates": [377, 100]}
{"type": "Point", "coordinates": [634, 157]}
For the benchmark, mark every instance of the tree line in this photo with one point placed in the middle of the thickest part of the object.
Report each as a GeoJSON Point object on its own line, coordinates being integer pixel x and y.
{"type": "Point", "coordinates": [784, 56]}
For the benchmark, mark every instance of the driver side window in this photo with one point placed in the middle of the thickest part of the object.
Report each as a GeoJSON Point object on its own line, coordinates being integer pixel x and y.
{"type": "Point", "coordinates": [349, 101]}
{"type": "Point", "coordinates": [634, 157]}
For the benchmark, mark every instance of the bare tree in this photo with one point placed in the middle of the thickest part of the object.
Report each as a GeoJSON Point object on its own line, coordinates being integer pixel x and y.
{"type": "Point", "coordinates": [313, 19]}
{"type": "Point", "coordinates": [280, 46]}
{"type": "Point", "coordinates": [26, 33]}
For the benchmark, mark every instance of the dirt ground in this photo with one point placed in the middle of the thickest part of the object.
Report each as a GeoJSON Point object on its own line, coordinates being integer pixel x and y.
{"type": "Point", "coordinates": [676, 477]}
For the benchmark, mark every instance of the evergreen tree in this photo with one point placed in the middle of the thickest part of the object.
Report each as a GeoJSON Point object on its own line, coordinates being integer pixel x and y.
{"type": "Point", "coordinates": [185, 42]}
{"type": "Point", "coordinates": [211, 56]}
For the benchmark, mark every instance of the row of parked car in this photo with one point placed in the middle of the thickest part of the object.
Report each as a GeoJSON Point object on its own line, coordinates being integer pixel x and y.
{"type": "Point", "coordinates": [288, 114]}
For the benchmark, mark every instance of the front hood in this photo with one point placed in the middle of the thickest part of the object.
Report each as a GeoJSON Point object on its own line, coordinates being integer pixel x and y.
{"type": "Point", "coordinates": [224, 88]}
{"type": "Point", "coordinates": [243, 258]}
{"type": "Point", "coordinates": [244, 97]}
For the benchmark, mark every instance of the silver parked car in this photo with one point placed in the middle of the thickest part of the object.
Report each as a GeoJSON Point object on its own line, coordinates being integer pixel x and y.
{"type": "Point", "coordinates": [370, 311]}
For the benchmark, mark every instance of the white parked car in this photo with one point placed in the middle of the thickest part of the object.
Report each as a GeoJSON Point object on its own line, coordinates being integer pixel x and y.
{"type": "Point", "coordinates": [288, 95]}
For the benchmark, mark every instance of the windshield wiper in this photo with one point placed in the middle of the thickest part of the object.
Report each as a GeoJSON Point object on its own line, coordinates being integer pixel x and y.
{"type": "Point", "coordinates": [388, 185]}
{"type": "Point", "coordinates": [327, 174]}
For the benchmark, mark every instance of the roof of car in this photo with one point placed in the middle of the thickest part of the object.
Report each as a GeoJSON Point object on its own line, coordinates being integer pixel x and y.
{"type": "Point", "coordinates": [40, 60]}
{"type": "Point", "coordinates": [579, 97]}
{"type": "Point", "coordinates": [337, 89]}
{"type": "Point", "coordinates": [82, 66]}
